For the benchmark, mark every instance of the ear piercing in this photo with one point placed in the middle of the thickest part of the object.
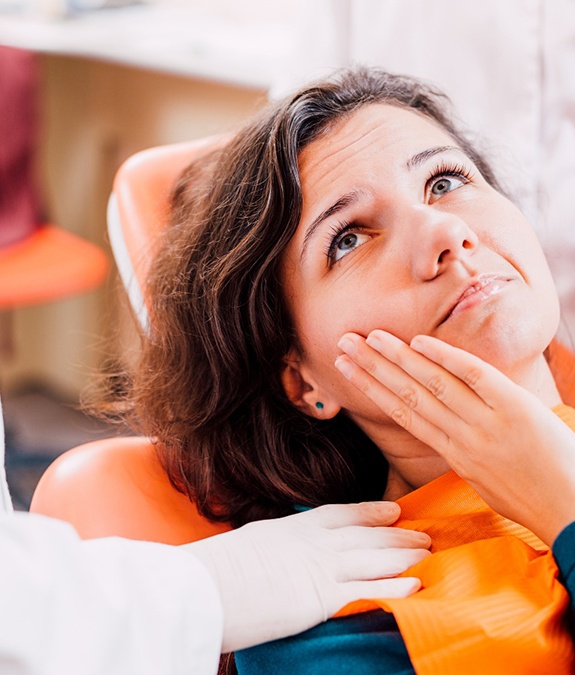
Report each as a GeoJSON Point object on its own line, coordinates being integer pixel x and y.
{"type": "Point", "coordinates": [319, 405]}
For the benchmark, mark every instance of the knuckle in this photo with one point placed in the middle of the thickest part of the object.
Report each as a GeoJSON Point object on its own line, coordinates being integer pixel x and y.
{"type": "Point", "coordinates": [409, 395]}
{"type": "Point", "coordinates": [401, 416]}
{"type": "Point", "coordinates": [472, 377]}
{"type": "Point", "coordinates": [437, 387]}
{"type": "Point", "coordinates": [364, 387]}
{"type": "Point", "coordinates": [370, 366]}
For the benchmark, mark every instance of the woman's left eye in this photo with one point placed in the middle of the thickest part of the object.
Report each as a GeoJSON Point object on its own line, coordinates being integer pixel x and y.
{"type": "Point", "coordinates": [444, 184]}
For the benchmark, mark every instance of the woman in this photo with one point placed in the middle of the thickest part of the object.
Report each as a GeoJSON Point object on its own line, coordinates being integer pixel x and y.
{"type": "Point", "coordinates": [349, 212]}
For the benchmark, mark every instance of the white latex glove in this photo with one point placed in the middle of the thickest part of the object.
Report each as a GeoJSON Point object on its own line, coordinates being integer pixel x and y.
{"type": "Point", "coordinates": [280, 577]}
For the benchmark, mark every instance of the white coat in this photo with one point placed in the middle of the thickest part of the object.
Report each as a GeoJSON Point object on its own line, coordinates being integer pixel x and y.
{"type": "Point", "coordinates": [106, 606]}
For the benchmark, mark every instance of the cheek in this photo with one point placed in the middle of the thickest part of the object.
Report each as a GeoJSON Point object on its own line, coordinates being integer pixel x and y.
{"type": "Point", "coordinates": [319, 329]}
{"type": "Point", "coordinates": [367, 296]}
{"type": "Point", "coordinates": [527, 255]}
{"type": "Point", "coordinates": [514, 239]}
{"type": "Point", "coordinates": [322, 321]}
{"type": "Point", "coordinates": [509, 230]}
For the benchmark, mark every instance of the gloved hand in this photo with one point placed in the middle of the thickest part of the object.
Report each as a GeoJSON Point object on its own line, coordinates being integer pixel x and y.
{"type": "Point", "coordinates": [280, 577]}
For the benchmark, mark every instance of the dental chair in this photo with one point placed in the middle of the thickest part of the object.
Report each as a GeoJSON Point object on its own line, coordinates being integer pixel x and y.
{"type": "Point", "coordinates": [117, 486]}
{"type": "Point", "coordinates": [138, 210]}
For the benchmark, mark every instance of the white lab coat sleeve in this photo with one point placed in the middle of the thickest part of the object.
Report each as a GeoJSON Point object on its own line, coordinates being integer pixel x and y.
{"type": "Point", "coordinates": [100, 607]}
{"type": "Point", "coordinates": [106, 606]}
{"type": "Point", "coordinates": [5, 501]}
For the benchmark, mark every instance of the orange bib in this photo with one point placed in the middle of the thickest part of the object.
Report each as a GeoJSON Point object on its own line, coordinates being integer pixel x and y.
{"type": "Point", "coordinates": [490, 601]}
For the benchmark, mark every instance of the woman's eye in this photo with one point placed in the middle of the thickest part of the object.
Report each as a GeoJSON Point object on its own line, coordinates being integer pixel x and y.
{"type": "Point", "coordinates": [444, 184]}
{"type": "Point", "coordinates": [346, 243]}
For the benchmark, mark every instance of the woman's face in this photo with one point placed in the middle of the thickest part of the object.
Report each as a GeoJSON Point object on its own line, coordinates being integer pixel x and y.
{"type": "Point", "coordinates": [400, 231]}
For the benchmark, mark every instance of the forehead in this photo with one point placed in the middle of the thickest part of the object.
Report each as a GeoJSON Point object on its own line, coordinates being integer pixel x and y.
{"type": "Point", "coordinates": [380, 133]}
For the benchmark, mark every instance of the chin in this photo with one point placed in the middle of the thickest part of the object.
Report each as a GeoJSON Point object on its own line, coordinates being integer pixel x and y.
{"type": "Point", "coordinates": [513, 347]}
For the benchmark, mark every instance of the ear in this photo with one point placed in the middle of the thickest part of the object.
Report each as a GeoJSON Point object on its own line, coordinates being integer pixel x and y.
{"type": "Point", "coordinates": [303, 391]}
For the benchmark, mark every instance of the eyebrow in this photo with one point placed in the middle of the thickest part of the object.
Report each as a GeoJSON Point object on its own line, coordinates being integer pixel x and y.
{"type": "Point", "coordinates": [417, 160]}
{"type": "Point", "coordinates": [342, 203]}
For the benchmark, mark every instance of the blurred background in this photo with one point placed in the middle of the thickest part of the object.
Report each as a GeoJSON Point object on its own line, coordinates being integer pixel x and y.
{"type": "Point", "coordinates": [112, 77]}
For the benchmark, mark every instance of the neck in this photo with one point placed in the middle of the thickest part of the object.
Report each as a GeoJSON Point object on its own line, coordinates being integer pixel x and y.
{"type": "Point", "coordinates": [539, 381]}
{"type": "Point", "coordinates": [413, 463]}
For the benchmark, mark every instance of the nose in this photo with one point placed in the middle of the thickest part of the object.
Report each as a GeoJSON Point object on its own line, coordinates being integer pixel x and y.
{"type": "Point", "coordinates": [440, 239]}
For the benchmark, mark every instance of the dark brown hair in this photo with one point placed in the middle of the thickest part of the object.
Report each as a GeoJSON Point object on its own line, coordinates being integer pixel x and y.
{"type": "Point", "coordinates": [208, 385]}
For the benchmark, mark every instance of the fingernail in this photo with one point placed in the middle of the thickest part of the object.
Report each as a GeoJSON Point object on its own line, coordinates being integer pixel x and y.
{"type": "Point", "coordinates": [344, 367]}
{"type": "Point", "coordinates": [374, 343]}
{"type": "Point", "coordinates": [425, 539]}
{"type": "Point", "coordinates": [415, 343]}
{"type": "Point", "coordinates": [348, 346]}
{"type": "Point", "coordinates": [393, 510]}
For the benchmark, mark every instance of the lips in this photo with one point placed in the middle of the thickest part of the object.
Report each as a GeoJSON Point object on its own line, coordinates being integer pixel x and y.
{"type": "Point", "coordinates": [478, 290]}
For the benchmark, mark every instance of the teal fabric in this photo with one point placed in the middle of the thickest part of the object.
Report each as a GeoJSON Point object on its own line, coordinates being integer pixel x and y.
{"type": "Point", "coordinates": [564, 552]}
{"type": "Point", "coordinates": [362, 644]}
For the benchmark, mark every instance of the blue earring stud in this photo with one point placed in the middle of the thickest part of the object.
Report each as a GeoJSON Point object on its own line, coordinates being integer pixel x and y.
{"type": "Point", "coordinates": [319, 405]}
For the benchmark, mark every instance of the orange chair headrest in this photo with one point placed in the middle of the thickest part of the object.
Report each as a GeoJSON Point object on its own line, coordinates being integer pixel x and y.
{"type": "Point", "coordinates": [138, 210]}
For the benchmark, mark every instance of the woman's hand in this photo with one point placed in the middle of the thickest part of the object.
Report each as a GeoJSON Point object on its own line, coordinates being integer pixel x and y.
{"type": "Point", "coordinates": [280, 577]}
{"type": "Point", "coordinates": [517, 454]}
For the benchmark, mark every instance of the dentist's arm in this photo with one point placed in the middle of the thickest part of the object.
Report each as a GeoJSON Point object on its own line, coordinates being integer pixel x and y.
{"type": "Point", "coordinates": [114, 606]}
{"type": "Point", "coordinates": [101, 607]}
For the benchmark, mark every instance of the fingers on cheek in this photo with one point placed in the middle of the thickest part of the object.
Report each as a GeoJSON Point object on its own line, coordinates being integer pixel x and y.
{"type": "Point", "coordinates": [373, 376]}
{"type": "Point", "coordinates": [389, 403]}
{"type": "Point", "coordinates": [361, 353]}
{"type": "Point", "coordinates": [345, 366]}
{"type": "Point", "coordinates": [361, 379]}
{"type": "Point", "coordinates": [356, 374]}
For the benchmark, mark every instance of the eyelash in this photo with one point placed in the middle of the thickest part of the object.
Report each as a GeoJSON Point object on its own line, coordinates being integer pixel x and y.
{"type": "Point", "coordinates": [446, 169]}
{"type": "Point", "coordinates": [344, 226]}
{"type": "Point", "coordinates": [337, 231]}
